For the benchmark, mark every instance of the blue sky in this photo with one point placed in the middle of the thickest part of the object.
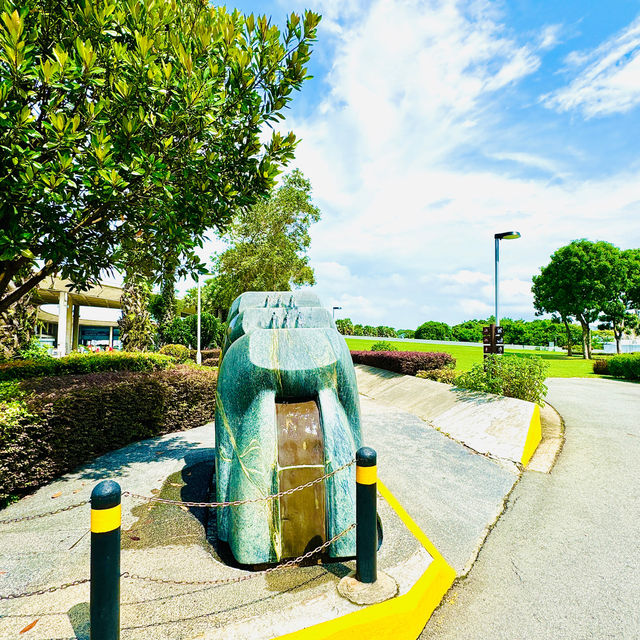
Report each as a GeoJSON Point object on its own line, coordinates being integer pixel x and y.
{"type": "Point", "coordinates": [428, 126]}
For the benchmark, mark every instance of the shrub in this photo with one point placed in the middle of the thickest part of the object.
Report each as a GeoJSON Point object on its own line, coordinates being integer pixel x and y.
{"type": "Point", "coordinates": [407, 362]}
{"type": "Point", "coordinates": [177, 351]}
{"type": "Point", "coordinates": [35, 350]}
{"type": "Point", "coordinates": [509, 376]}
{"type": "Point", "coordinates": [601, 366]}
{"type": "Point", "coordinates": [625, 365]}
{"type": "Point", "coordinates": [448, 376]}
{"type": "Point", "coordinates": [62, 422]}
{"type": "Point", "coordinates": [383, 345]}
{"type": "Point", "coordinates": [77, 363]}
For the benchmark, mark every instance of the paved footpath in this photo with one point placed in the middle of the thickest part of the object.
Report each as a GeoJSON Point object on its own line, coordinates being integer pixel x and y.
{"type": "Point", "coordinates": [563, 562]}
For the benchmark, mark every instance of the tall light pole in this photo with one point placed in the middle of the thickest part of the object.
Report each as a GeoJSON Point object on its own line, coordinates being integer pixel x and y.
{"type": "Point", "coordinates": [199, 351]}
{"type": "Point", "coordinates": [505, 235]}
{"type": "Point", "coordinates": [334, 311]}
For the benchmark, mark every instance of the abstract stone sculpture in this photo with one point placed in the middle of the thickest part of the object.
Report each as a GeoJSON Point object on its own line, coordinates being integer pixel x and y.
{"type": "Point", "coordinates": [287, 412]}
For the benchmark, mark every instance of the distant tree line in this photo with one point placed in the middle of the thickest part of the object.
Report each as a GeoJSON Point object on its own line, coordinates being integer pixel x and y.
{"type": "Point", "coordinates": [347, 328]}
{"type": "Point", "coordinates": [520, 332]}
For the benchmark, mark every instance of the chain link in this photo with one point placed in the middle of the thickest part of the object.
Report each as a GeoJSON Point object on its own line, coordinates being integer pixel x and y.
{"type": "Point", "coordinates": [40, 592]}
{"type": "Point", "coordinates": [286, 565]}
{"type": "Point", "coordinates": [237, 503]}
{"type": "Point", "coordinates": [42, 515]}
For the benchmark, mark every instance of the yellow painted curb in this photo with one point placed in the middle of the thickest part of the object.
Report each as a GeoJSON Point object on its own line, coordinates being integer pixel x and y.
{"type": "Point", "coordinates": [401, 618]}
{"type": "Point", "coordinates": [534, 435]}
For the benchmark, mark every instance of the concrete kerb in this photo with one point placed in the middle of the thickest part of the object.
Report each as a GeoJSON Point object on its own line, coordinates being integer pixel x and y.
{"type": "Point", "coordinates": [502, 428]}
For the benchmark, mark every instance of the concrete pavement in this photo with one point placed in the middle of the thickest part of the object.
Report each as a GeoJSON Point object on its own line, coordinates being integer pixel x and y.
{"type": "Point", "coordinates": [562, 561]}
{"type": "Point", "coordinates": [453, 494]}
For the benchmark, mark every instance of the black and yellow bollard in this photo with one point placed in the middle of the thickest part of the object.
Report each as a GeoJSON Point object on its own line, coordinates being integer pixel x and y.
{"type": "Point", "coordinates": [105, 561]}
{"type": "Point", "coordinates": [367, 585]}
{"type": "Point", "coordinates": [366, 515]}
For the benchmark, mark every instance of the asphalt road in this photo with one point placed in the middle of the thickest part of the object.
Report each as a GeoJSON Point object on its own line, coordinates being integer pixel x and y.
{"type": "Point", "coordinates": [563, 561]}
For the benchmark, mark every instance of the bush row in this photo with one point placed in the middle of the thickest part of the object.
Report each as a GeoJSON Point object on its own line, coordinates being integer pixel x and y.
{"type": "Point", "coordinates": [407, 362]}
{"type": "Point", "coordinates": [448, 376]}
{"type": "Point", "coordinates": [49, 426]}
{"type": "Point", "coordinates": [601, 366]}
{"type": "Point", "coordinates": [625, 365]}
{"type": "Point", "coordinates": [79, 363]}
{"type": "Point", "coordinates": [509, 376]}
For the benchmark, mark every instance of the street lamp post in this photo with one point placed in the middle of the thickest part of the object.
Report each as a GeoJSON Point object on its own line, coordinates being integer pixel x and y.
{"type": "Point", "coordinates": [199, 352]}
{"type": "Point", "coordinates": [334, 311]}
{"type": "Point", "coordinates": [505, 235]}
{"type": "Point", "coordinates": [199, 331]}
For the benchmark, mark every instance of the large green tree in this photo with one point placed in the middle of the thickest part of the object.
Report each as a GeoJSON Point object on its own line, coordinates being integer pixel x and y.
{"type": "Point", "coordinates": [123, 117]}
{"type": "Point", "coordinates": [618, 312]}
{"type": "Point", "coordinates": [269, 243]}
{"type": "Point", "coordinates": [578, 282]}
{"type": "Point", "coordinates": [433, 330]}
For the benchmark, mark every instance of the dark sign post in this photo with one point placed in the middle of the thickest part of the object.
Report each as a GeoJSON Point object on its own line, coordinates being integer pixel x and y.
{"type": "Point", "coordinates": [493, 340]}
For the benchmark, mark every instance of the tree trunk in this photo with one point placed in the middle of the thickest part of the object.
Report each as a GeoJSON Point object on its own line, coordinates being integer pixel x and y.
{"type": "Point", "coordinates": [586, 338]}
{"type": "Point", "coordinates": [569, 342]}
{"type": "Point", "coordinates": [136, 330]}
{"type": "Point", "coordinates": [168, 298]}
{"type": "Point", "coordinates": [17, 324]}
{"type": "Point", "coordinates": [618, 336]}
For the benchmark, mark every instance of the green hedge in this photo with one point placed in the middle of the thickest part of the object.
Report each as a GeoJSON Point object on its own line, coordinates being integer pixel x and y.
{"type": "Point", "coordinates": [625, 365]}
{"type": "Point", "coordinates": [49, 426]}
{"type": "Point", "coordinates": [601, 366]}
{"type": "Point", "coordinates": [78, 363]}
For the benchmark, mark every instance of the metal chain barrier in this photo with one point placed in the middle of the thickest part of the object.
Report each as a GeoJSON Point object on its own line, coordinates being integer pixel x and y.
{"type": "Point", "coordinates": [43, 515]}
{"type": "Point", "coordinates": [237, 503]}
{"type": "Point", "coordinates": [286, 565]}
{"type": "Point", "coordinates": [41, 592]}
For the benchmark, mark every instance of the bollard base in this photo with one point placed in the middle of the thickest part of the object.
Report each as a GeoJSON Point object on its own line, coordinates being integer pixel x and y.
{"type": "Point", "coordinates": [384, 588]}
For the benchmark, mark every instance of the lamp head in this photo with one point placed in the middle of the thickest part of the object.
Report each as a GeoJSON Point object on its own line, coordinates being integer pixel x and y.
{"type": "Point", "coordinates": [507, 235]}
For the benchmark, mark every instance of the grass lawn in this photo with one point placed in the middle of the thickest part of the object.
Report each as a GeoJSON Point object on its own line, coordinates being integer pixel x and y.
{"type": "Point", "coordinates": [560, 366]}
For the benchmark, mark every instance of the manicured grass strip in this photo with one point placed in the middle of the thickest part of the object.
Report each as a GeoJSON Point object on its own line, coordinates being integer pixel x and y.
{"type": "Point", "coordinates": [560, 366]}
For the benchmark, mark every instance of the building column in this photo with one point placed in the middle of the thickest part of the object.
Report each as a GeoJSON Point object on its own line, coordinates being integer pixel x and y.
{"type": "Point", "coordinates": [111, 337]}
{"type": "Point", "coordinates": [76, 327]}
{"type": "Point", "coordinates": [62, 323]}
{"type": "Point", "coordinates": [69, 337]}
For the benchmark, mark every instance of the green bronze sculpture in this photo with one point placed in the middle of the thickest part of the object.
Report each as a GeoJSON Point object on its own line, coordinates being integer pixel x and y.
{"type": "Point", "coordinates": [287, 413]}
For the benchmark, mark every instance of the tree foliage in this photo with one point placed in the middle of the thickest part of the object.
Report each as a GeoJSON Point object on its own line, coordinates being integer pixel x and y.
{"type": "Point", "coordinates": [617, 312]}
{"type": "Point", "coordinates": [124, 117]}
{"type": "Point", "coordinates": [345, 326]}
{"type": "Point", "coordinates": [580, 281]}
{"type": "Point", "coordinates": [185, 331]}
{"type": "Point", "coordinates": [432, 330]}
{"type": "Point", "coordinates": [268, 244]}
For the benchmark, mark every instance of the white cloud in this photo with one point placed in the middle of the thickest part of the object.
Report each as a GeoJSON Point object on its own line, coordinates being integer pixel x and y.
{"type": "Point", "coordinates": [549, 36]}
{"type": "Point", "coordinates": [413, 83]}
{"type": "Point", "coordinates": [465, 277]}
{"type": "Point", "coordinates": [473, 308]}
{"type": "Point", "coordinates": [610, 81]}
{"type": "Point", "coordinates": [528, 159]}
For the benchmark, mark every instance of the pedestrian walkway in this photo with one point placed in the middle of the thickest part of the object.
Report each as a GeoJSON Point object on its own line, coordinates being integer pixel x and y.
{"type": "Point", "coordinates": [562, 562]}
